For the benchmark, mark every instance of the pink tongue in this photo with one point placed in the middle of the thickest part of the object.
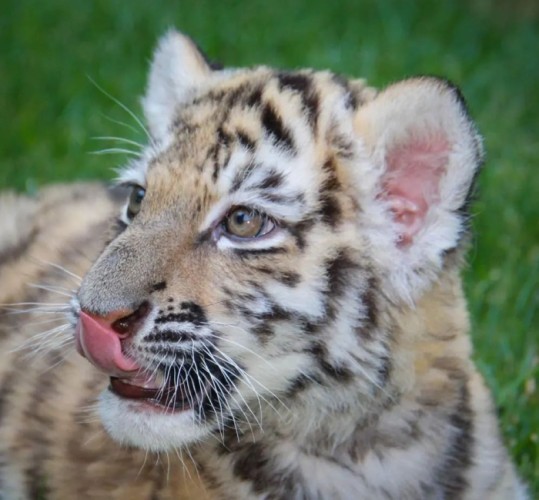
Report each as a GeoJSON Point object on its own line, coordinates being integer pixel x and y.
{"type": "Point", "coordinates": [98, 343]}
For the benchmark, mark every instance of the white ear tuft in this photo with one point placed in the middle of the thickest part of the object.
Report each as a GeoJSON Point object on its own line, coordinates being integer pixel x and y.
{"type": "Point", "coordinates": [178, 67]}
{"type": "Point", "coordinates": [425, 153]}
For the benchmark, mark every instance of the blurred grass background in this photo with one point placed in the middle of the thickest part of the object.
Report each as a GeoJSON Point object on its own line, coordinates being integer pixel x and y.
{"type": "Point", "coordinates": [50, 112]}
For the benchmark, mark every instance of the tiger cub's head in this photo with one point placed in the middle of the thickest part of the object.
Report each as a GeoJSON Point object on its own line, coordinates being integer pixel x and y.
{"type": "Point", "coordinates": [275, 220]}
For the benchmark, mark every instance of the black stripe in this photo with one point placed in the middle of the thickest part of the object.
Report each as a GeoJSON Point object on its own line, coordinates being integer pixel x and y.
{"type": "Point", "coordinates": [45, 384]}
{"type": "Point", "coordinates": [213, 158]}
{"type": "Point", "coordinates": [331, 182]}
{"type": "Point", "coordinates": [8, 385]}
{"type": "Point", "coordinates": [275, 313]}
{"type": "Point", "coordinates": [351, 98]}
{"type": "Point", "coordinates": [339, 272]}
{"type": "Point", "coordinates": [338, 372]}
{"type": "Point", "coordinates": [330, 210]}
{"type": "Point", "coordinates": [255, 99]}
{"type": "Point", "coordinates": [253, 463]}
{"type": "Point", "coordinates": [232, 97]}
{"type": "Point", "coordinates": [303, 85]}
{"type": "Point", "coordinates": [198, 319]}
{"type": "Point", "coordinates": [300, 230]}
{"type": "Point", "coordinates": [370, 320]}
{"type": "Point", "coordinates": [301, 384]}
{"type": "Point", "coordinates": [245, 140]}
{"type": "Point", "coordinates": [289, 200]}
{"type": "Point", "coordinates": [288, 278]}
{"type": "Point", "coordinates": [384, 370]}
{"type": "Point", "coordinates": [452, 474]}
{"type": "Point", "coordinates": [258, 252]}
{"type": "Point", "coordinates": [243, 174]}
{"type": "Point", "coordinates": [311, 328]}
{"type": "Point", "coordinates": [220, 153]}
{"type": "Point", "coordinates": [13, 252]}
{"type": "Point", "coordinates": [275, 128]}
{"type": "Point", "coordinates": [162, 285]}
{"type": "Point", "coordinates": [343, 145]}
{"type": "Point", "coordinates": [264, 332]}
{"type": "Point", "coordinates": [273, 179]}
{"type": "Point", "coordinates": [171, 336]}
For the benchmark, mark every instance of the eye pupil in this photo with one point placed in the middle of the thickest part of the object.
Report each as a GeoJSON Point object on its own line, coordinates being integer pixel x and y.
{"type": "Point", "coordinates": [241, 217]}
{"type": "Point", "coordinates": [135, 200]}
{"type": "Point", "coordinates": [139, 195]}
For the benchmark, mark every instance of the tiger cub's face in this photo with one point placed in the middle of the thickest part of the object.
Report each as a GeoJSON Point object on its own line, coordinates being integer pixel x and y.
{"type": "Point", "coordinates": [273, 220]}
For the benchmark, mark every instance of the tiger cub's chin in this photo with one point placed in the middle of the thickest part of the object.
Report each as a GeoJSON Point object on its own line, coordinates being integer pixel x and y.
{"type": "Point", "coordinates": [144, 426]}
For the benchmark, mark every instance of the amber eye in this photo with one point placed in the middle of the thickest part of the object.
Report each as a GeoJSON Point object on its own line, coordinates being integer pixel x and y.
{"type": "Point", "coordinates": [243, 222]}
{"type": "Point", "coordinates": [135, 201]}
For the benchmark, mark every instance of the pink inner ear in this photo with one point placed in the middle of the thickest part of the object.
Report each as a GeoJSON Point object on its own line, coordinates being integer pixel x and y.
{"type": "Point", "coordinates": [412, 180]}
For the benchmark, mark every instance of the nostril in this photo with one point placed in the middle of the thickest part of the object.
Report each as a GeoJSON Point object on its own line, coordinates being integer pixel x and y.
{"type": "Point", "coordinates": [126, 325]}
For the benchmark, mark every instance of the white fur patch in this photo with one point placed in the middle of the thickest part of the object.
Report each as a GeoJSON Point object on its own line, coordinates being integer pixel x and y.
{"type": "Point", "coordinates": [136, 424]}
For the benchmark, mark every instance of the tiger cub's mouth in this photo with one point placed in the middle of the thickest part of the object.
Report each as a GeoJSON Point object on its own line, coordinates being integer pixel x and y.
{"type": "Point", "coordinates": [169, 394]}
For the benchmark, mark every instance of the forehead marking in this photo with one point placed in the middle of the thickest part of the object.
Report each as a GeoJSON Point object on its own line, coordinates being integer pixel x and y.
{"type": "Point", "coordinates": [279, 134]}
{"type": "Point", "coordinates": [303, 85]}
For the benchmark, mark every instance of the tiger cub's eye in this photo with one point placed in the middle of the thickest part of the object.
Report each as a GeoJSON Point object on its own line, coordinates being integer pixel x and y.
{"type": "Point", "coordinates": [245, 222]}
{"type": "Point", "coordinates": [135, 201]}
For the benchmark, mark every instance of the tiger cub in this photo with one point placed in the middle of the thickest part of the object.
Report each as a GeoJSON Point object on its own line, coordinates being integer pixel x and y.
{"type": "Point", "coordinates": [269, 308]}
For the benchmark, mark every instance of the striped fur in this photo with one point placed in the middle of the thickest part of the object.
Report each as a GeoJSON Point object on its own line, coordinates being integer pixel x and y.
{"type": "Point", "coordinates": [332, 353]}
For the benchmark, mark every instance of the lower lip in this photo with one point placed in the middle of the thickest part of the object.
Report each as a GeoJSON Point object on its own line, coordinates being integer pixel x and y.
{"type": "Point", "coordinates": [149, 402]}
{"type": "Point", "coordinates": [144, 406]}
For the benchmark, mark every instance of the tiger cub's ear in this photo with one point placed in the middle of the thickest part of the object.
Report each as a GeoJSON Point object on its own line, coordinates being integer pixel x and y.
{"type": "Point", "coordinates": [178, 67]}
{"type": "Point", "coordinates": [424, 152]}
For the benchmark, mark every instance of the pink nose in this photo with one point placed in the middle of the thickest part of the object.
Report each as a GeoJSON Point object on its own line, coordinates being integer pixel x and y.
{"type": "Point", "coordinates": [99, 339]}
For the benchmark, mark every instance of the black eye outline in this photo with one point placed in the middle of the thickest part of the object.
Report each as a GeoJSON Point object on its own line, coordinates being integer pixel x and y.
{"type": "Point", "coordinates": [135, 201]}
{"type": "Point", "coordinates": [268, 225]}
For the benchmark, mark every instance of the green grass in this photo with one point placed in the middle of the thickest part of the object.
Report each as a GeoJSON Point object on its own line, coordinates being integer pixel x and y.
{"type": "Point", "coordinates": [50, 111]}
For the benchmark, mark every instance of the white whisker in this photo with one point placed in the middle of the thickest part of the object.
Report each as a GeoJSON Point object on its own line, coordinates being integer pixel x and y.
{"type": "Point", "coordinates": [42, 304]}
{"type": "Point", "coordinates": [95, 435]}
{"type": "Point", "coordinates": [193, 461]}
{"type": "Point", "coordinates": [119, 139]}
{"type": "Point", "coordinates": [230, 360]}
{"type": "Point", "coordinates": [216, 413]}
{"type": "Point", "coordinates": [124, 107]}
{"type": "Point", "coordinates": [35, 310]}
{"type": "Point", "coordinates": [58, 363]}
{"type": "Point", "coordinates": [60, 268]}
{"type": "Point", "coordinates": [28, 343]}
{"type": "Point", "coordinates": [109, 151]}
{"type": "Point", "coordinates": [46, 321]}
{"type": "Point", "coordinates": [54, 289]}
{"type": "Point", "coordinates": [123, 124]}
{"type": "Point", "coordinates": [143, 464]}
{"type": "Point", "coordinates": [233, 384]}
{"type": "Point", "coordinates": [168, 467]}
{"type": "Point", "coordinates": [185, 469]}
{"type": "Point", "coordinates": [239, 345]}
